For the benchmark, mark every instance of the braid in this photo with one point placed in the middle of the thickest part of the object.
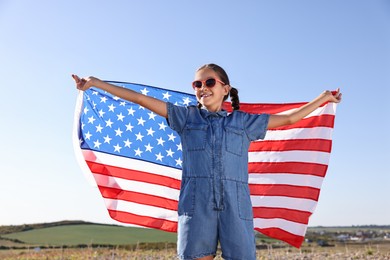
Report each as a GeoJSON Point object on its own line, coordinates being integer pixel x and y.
{"type": "Point", "coordinates": [234, 99]}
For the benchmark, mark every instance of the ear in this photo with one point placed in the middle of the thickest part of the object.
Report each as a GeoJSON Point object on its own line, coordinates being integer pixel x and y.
{"type": "Point", "coordinates": [227, 89]}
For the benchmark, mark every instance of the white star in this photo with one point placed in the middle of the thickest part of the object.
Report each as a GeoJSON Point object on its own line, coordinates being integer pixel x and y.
{"type": "Point", "coordinates": [95, 92]}
{"type": "Point", "coordinates": [166, 95]}
{"type": "Point", "coordinates": [131, 111]}
{"type": "Point", "coordinates": [109, 123]}
{"type": "Point", "coordinates": [107, 139]}
{"type": "Point", "coordinates": [139, 136]}
{"type": "Point", "coordinates": [138, 152]}
{"type": "Point", "coordinates": [127, 143]}
{"type": "Point", "coordinates": [97, 144]}
{"type": "Point", "coordinates": [82, 126]}
{"type": "Point", "coordinates": [129, 127]}
{"type": "Point", "coordinates": [150, 131]}
{"type": "Point", "coordinates": [141, 107]}
{"type": "Point", "coordinates": [94, 104]}
{"type": "Point", "coordinates": [120, 117]}
{"type": "Point", "coordinates": [118, 132]}
{"type": "Point", "coordinates": [179, 148]}
{"type": "Point", "coordinates": [148, 147]}
{"type": "Point", "coordinates": [159, 157]}
{"type": "Point", "coordinates": [117, 148]}
{"type": "Point", "coordinates": [101, 113]}
{"type": "Point", "coordinates": [170, 153]}
{"type": "Point", "coordinates": [160, 141]}
{"type": "Point", "coordinates": [141, 121]}
{"type": "Point", "coordinates": [111, 108]}
{"type": "Point", "coordinates": [116, 98]}
{"type": "Point", "coordinates": [123, 103]}
{"type": "Point", "coordinates": [144, 91]}
{"type": "Point", "coordinates": [179, 162]}
{"type": "Point", "coordinates": [162, 126]}
{"type": "Point", "coordinates": [152, 115]}
{"type": "Point", "coordinates": [186, 101]}
{"type": "Point", "coordinates": [103, 99]}
{"type": "Point", "coordinates": [88, 135]}
{"type": "Point", "coordinates": [86, 110]}
{"type": "Point", "coordinates": [91, 119]}
{"type": "Point", "coordinates": [172, 137]}
{"type": "Point", "coordinates": [99, 128]}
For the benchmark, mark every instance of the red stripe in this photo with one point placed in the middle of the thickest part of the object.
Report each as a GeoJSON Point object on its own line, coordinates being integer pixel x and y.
{"type": "Point", "coordinates": [264, 108]}
{"type": "Point", "coordinates": [283, 213]}
{"type": "Point", "coordinates": [145, 221]}
{"type": "Point", "coordinates": [284, 190]}
{"type": "Point", "coordinates": [288, 167]}
{"type": "Point", "coordinates": [313, 121]}
{"type": "Point", "coordinates": [321, 145]}
{"type": "Point", "coordinates": [136, 197]}
{"type": "Point", "coordinates": [134, 175]}
{"type": "Point", "coordinates": [283, 235]}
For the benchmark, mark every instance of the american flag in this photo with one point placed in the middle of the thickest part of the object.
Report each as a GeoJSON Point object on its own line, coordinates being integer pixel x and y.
{"type": "Point", "coordinates": [135, 160]}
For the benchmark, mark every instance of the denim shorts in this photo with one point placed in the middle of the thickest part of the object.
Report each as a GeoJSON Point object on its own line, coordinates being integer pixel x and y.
{"type": "Point", "coordinates": [204, 221]}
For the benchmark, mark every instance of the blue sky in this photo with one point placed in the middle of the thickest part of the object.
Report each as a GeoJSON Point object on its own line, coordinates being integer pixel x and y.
{"type": "Point", "coordinates": [274, 51]}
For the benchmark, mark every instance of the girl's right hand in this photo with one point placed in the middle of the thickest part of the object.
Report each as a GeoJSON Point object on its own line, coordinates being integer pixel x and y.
{"type": "Point", "coordinates": [84, 83]}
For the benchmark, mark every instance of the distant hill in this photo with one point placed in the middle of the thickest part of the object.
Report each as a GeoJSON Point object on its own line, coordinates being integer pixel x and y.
{"type": "Point", "coordinates": [73, 233]}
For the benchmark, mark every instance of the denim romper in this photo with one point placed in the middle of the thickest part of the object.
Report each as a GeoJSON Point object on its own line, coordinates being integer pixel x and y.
{"type": "Point", "coordinates": [214, 203]}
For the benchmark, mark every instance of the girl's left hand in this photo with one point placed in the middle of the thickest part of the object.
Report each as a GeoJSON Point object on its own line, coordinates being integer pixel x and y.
{"type": "Point", "coordinates": [334, 96]}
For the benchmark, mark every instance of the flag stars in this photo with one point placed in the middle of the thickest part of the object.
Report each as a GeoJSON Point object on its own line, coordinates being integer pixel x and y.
{"type": "Point", "coordinates": [150, 131]}
{"type": "Point", "coordinates": [91, 119]}
{"type": "Point", "coordinates": [138, 152]}
{"type": "Point", "coordinates": [139, 136]}
{"type": "Point", "coordinates": [107, 139]}
{"type": "Point", "coordinates": [109, 123]}
{"type": "Point", "coordinates": [86, 110]}
{"type": "Point", "coordinates": [123, 103]}
{"type": "Point", "coordinates": [99, 128]}
{"type": "Point", "coordinates": [160, 141]}
{"type": "Point", "coordinates": [179, 147]}
{"type": "Point", "coordinates": [88, 135]}
{"type": "Point", "coordinates": [141, 121]}
{"type": "Point", "coordinates": [159, 157]}
{"type": "Point", "coordinates": [118, 132]}
{"type": "Point", "coordinates": [131, 111]}
{"type": "Point", "coordinates": [111, 108]}
{"type": "Point", "coordinates": [127, 143]}
{"type": "Point", "coordinates": [148, 148]}
{"type": "Point", "coordinates": [166, 95]}
{"type": "Point", "coordinates": [144, 91]}
{"type": "Point", "coordinates": [120, 116]}
{"type": "Point", "coordinates": [170, 153]}
{"type": "Point", "coordinates": [152, 115]}
{"type": "Point", "coordinates": [186, 101]}
{"type": "Point", "coordinates": [179, 162]}
{"type": "Point", "coordinates": [129, 127]}
{"type": "Point", "coordinates": [117, 148]}
{"type": "Point", "coordinates": [97, 144]}
{"type": "Point", "coordinates": [103, 99]}
{"type": "Point", "coordinates": [171, 137]}
{"type": "Point", "coordinates": [162, 126]}
{"type": "Point", "coordinates": [101, 113]}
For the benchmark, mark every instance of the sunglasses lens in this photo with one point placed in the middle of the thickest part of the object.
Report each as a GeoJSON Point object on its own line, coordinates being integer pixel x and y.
{"type": "Point", "coordinates": [197, 84]}
{"type": "Point", "coordinates": [210, 83]}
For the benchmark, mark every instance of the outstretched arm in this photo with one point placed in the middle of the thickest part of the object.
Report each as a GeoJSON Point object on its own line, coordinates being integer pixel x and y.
{"type": "Point", "coordinates": [157, 106]}
{"type": "Point", "coordinates": [295, 116]}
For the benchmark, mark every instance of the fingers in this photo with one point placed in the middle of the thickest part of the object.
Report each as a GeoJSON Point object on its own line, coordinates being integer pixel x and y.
{"type": "Point", "coordinates": [76, 78]}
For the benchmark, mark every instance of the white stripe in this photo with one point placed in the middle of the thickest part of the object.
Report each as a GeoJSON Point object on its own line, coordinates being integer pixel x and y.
{"type": "Point", "coordinates": [128, 163]}
{"type": "Point", "coordinates": [137, 186]}
{"type": "Point", "coordinates": [300, 133]}
{"type": "Point", "coordinates": [328, 109]}
{"type": "Point", "coordinates": [140, 209]}
{"type": "Point", "coordinates": [289, 226]}
{"type": "Point", "coordinates": [287, 179]}
{"type": "Point", "coordinates": [290, 156]}
{"type": "Point", "coordinates": [284, 202]}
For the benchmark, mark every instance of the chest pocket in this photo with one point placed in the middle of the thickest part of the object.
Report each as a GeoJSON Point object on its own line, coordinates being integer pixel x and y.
{"type": "Point", "coordinates": [234, 140]}
{"type": "Point", "coordinates": [195, 136]}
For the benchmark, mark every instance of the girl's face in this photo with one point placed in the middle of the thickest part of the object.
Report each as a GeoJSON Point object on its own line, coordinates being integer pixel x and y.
{"type": "Point", "coordinates": [210, 97]}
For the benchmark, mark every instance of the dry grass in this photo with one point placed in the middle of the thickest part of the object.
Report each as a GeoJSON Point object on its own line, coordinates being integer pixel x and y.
{"type": "Point", "coordinates": [377, 251]}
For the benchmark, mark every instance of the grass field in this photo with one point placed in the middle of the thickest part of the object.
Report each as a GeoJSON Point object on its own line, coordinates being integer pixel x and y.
{"type": "Point", "coordinates": [96, 241]}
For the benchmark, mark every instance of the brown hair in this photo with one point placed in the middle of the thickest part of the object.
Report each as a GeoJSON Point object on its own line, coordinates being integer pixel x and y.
{"type": "Point", "coordinates": [224, 78]}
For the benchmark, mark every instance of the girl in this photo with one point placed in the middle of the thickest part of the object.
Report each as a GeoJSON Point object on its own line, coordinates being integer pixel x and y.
{"type": "Point", "coordinates": [214, 204]}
